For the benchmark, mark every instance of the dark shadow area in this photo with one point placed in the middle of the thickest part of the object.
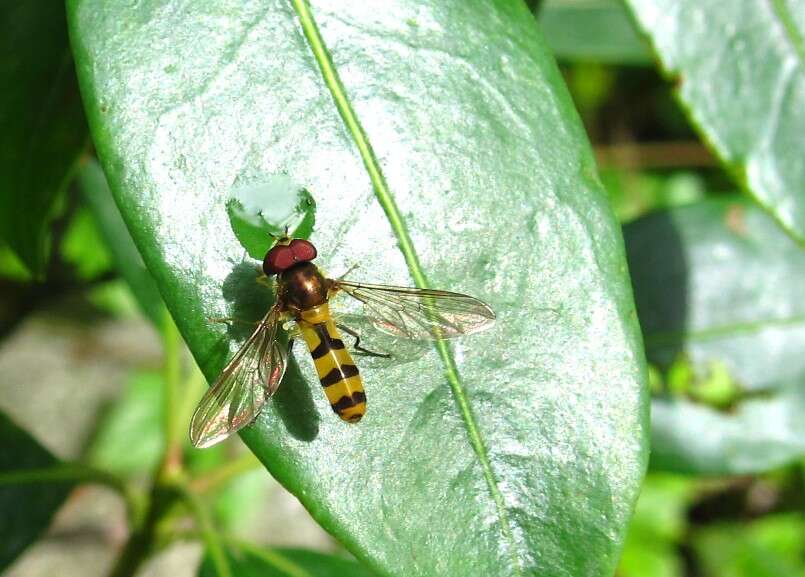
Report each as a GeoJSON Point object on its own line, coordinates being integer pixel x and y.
{"type": "Point", "coordinates": [659, 270]}
{"type": "Point", "coordinates": [294, 404]}
{"type": "Point", "coordinates": [249, 300]}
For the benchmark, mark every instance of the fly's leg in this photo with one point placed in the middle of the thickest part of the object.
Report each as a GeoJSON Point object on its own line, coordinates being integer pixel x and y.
{"type": "Point", "coordinates": [357, 345]}
{"type": "Point", "coordinates": [263, 280]}
{"type": "Point", "coordinates": [349, 270]}
{"type": "Point", "coordinates": [229, 320]}
{"type": "Point", "coordinates": [292, 329]}
{"type": "Point", "coordinates": [334, 288]}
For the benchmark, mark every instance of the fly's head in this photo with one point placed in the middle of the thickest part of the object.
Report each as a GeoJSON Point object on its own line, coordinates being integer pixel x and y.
{"type": "Point", "coordinates": [287, 253]}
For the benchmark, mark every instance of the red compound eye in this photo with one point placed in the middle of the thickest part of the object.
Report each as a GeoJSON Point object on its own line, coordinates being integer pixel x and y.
{"type": "Point", "coordinates": [302, 250]}
{"type": "Point", "coordinates": [278, 259]}
{"type": "Point", "coordinates": [282, 257]}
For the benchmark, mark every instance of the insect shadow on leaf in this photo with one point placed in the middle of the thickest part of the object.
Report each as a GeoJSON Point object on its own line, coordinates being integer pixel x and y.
{"type": "Point", "coordinates": [249, 300]}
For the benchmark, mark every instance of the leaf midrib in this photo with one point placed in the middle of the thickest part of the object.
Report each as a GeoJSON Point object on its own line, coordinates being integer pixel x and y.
{"type": "Point", "coordinates": [653, 340]}
{"type": "Point", "coordinates": [386, 200]}
{"type": "Point", "coordinates": [781, 12]}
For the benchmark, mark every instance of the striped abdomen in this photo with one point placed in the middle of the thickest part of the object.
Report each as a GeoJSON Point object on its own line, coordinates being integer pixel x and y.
{"type": "Point", "coordinates": [337, 371]}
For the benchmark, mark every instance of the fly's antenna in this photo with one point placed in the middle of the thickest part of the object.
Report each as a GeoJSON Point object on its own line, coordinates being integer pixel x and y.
{"type": "Point", "coordinates": [280, 239]}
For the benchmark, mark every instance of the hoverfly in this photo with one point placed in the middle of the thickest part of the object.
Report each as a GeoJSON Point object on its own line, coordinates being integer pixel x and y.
{"type": "Point", "coordinates": [303, 295]}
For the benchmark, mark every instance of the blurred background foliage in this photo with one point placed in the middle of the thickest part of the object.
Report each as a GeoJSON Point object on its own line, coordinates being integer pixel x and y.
{"type": "Point", "coordinates": [81, 319]}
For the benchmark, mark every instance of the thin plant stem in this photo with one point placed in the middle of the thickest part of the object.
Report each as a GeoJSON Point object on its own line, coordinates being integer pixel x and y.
{"type": "Point", "coordinates": [172, 375]}
{"type": "Point", "coordinates": [194, 387]}
{"type": "Point", "coordinates": [78, 473]}
{"type": "Point", "coordinates": [166, 486]}
{"type": "Point", "coordinates": [207, 531]}
{"type": "Point", "coordinates": [268, 555]}
{"type": "Point", "coordinates": [141, 542]}
{"type": "Point", "coordinates": [224, 474]}
{"type": "Point", "coordinates": [652, 155]}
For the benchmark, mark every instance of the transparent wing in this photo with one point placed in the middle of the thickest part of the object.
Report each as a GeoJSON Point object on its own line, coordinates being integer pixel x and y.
{"type": "Point", "coordinates": [385, 350]}
{"type": "Point", "coordinates": [240, 392]}
{"type": "Point", "coordinates": [414, 313]}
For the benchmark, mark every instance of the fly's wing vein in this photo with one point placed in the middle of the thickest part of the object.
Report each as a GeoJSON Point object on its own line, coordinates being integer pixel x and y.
{"type": "Point", "coordinates": [420, 313]}
{"type": "Point", "coordinates": [240, 392]}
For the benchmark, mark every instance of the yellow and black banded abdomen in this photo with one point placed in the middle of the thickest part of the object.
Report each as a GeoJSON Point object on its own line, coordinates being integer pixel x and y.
{"type": "Point", "coordinates": [337, 371]}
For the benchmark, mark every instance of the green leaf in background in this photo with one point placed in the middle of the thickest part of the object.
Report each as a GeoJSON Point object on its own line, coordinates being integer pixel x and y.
{"type": "Point", "coordinates": [719, 282]}
{"type": "Point", "coordinates": [42, 127]}
{"type": "Point", "coordinates": [137, 415]}
{"type": "Point", "coordinates": [592, 31]}
{"type": "Point", "coordinates": [83, 248]}
{"type": "Point", "coordinates": [234, 506]}
{"type": "Point", "coordinates": [657, 528]}
{"type": "Point", "coordinates": [251, 561]}
{"type": "Point", "coordinates": [27, 507]}
{"type": "Point", "coordinates": [439, 143]}
{"type": "Point", "coordinates": [770, 547]}
{"type": "Point", "coordinates": [740, 72]}
{"type": "Point", "coordinates": [11, 267]}
{"type": "Point", "coordinates": [263, 210]}
{"type": "Point", "coordinates": [759, 435]}
{"type": "Point", "coordinates": [634, 193]}
{"type": "Point", "coordinates": [126, 257]}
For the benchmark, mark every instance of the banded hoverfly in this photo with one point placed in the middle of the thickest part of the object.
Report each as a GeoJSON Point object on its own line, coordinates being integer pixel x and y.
{"type": "Point", "coordinates": [303, 296]}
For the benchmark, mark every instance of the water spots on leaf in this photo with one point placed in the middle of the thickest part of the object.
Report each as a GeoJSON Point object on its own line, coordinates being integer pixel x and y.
{"type": "Point", "coordinates": [261, 207]}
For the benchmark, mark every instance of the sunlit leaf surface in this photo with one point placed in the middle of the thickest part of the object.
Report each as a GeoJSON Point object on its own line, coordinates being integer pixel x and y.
{"type": "Point", "coordinates": [516, 451]}
{"type": "Point", "coordinates": [739, 68]}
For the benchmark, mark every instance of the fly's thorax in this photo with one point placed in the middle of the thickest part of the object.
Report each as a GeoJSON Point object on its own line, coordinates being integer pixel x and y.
{"type": "Point", "coordinates": [302, 287]}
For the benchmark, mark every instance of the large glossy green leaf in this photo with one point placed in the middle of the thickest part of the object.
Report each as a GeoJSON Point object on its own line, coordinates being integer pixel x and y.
{"type": "Point", "coordinates": [592, 31]}
{"type": "Point", "coordinates": [439, 143]}
{"type": "Point", "coordinates": [740, 71]}
{"type": "Point", "coordinates": [42, 127]}
{"type": "Point", "coordinates": [253, 561]}
{"type": "Point", "coordinates": [719, 282]}
{"type": "Point", "coordinates": [26, 507]}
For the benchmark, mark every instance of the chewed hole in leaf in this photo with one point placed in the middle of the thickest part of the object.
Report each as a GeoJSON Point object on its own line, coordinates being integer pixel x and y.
{"type": "Point", "coordinates": [264, 208]}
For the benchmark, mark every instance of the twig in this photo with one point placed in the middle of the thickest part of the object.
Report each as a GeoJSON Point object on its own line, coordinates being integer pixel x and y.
{"type": "Point", "coordinates": [78, 473]}
{"type": "Point", "coordinates": [141, 542]}
{"type": "Point", "coordinates": [644, 155]}
{"type": "Point", "coordinates": [171, 465]}
{"type": "Point", "coordinates": [208, 533]}
{"type": "Point", "coordinates": [268, 555]}
{"type": "Point", "coordinates": [167, 482]}
{"type": "Point", "coordinates": [223, 474]}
